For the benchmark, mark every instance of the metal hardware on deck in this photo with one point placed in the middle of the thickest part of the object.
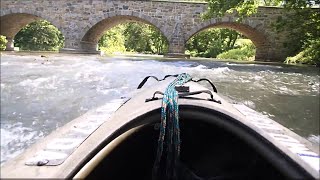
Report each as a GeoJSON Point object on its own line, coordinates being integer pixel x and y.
{"type": "Point", "coordinates": [176, 75]}
{"type": "Point", "coordinates": [182, 88]}
{"type": "Point", "coordinates": [185, 95]}
{"type": "Point", "coordinates": [43, 162]}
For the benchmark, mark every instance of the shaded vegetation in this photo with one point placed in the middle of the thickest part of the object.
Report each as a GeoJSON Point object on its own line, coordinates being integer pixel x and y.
{"type": "Point", "coordinates": [112, 42]}
{"type": "Point", "coordinates": [3, 42]}
{"type": "Point", "coordinates": [309, 55]}
{"type": "Point", "coordinates": [212, 42]}
{"type": "Point", "coordinates": [302, 24]}
{"type": "Point", "coordinates": [133, 37]}
{"type": "Point", "coordinates": [245, 50]}
{"type": "Point", "coordinates": [143, 38]}
{"type": "Point", "coordinates": [39, 36]}
{"type": "Point", "coordinates": [304, 34]}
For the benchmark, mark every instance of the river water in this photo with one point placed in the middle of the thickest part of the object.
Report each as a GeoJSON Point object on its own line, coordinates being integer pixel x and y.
{"type": "Point", "coordinates": [40, 94]}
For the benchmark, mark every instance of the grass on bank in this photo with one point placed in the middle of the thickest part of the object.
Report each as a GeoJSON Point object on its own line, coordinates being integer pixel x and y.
{"type": "Point", "coordinates": [309, 55]}
{"type": "Point", "coordinates": [245, 53]}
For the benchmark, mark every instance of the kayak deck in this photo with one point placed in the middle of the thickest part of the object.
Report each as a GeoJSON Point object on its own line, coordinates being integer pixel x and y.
{"type": "Point", "coordinates": [217, 140]}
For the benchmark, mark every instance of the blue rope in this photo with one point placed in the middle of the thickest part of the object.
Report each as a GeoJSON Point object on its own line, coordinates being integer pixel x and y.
{"type": "Point", "coordinates": [169, 128]}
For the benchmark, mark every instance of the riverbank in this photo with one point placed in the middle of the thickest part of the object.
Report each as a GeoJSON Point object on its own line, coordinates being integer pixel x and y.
{"type": "Point", "coordinates": [137, 56]}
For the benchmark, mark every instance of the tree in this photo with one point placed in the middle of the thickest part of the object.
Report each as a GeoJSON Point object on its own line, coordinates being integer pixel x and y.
{"type": "Point", "coordinates": [134, 37]}
{"type": "Point", "coordinates": [218, 8]}
{"type": "Point", "coordinates": [3, 42]}
{"type": "Point", "coordinates": [303, 23]}
{"type": "Point", "coordinates": [244, 8]}
{"type": "Point", "coordinates": [39, 36]}
{"type": "Point", "coordinates": [113, 40]}
{"type": "Point", "coordinates": [309, 55]}
{"type": "Point", "coordinates": [144, 38]}
{"type": "Point", "coordinates": [159, 43]}
{"type": "Point", "coordinates": [212, 42]}
{"type": "Point", "coordinates": [137, 38]}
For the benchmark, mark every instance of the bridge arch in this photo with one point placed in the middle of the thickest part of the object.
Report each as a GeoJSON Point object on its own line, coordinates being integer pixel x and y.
{"type": "Point", "coordinates": [91, 34]}
{"type": "Point", "coordinates": [14, 20]}
{"type": "Point", "coordinates": [250, 29]}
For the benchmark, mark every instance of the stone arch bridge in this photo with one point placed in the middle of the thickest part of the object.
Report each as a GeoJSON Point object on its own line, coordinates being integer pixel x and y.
{"type": "Point", "coordinates": [82, 22]}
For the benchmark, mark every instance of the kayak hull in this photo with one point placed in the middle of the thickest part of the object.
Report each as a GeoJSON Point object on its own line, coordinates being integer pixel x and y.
{"type": "Point", "coordinates": [217, 140]}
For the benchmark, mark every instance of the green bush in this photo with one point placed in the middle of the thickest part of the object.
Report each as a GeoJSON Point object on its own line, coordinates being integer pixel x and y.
{"type": "Point", "coordinates": [133, 37]}
{"type": "Point", "coordinates": [211, 42]}
{"type": "Point", "coordinates": [112, 42]}
{"type": "Point", "coordinates": [3, 42]}
{"type": "Point", "coordinates": [192, 53]}
{"type": "Point", "coordinates": [244, 53]}
{"type": "Point", "coordinates": [243, 42]}
{"type": "Point", "coordinates": [39, 36]}
{"type": "Point", "coordinates": [309, 55]}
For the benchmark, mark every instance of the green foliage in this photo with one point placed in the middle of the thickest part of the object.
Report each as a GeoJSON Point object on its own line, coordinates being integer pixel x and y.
{"type": "Point", "coordinates": [134, 37]}
{"type": "Point", "coordinates": [309, 55]}
{"type": "Point", "coordinates": [298, 4]}
{"type": "Point", "coordinates": [211, 42]}
{"type": "Point", "coordinates": [39, 36]}
{"type": "Point", "coordinates": [159, 43]}
{"type": "Point", "coordinates": [3, 42]}
{"type": "Point", "coordinates": [112, 42]}
{"type": "Point", "coordinates": [271, 3]}
{"type": "Point", "coordinates": [302, 22]}
{"type": "Point", "coordinates": [144, 38]}
{"type": "Point", "coordinates": [245, 51]}
{"type": "Point", "coordinates": [137, 37]}
{"type": "Point", "coordinates": [303, 25]}
{"type": "Point", "coordinates": [219, 8]}
{"type": "Point", "coordinates": [243, 42]}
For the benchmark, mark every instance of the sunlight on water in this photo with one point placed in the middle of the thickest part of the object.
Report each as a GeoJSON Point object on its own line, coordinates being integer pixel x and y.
{"type": "Point", "coordinates": [39, 95]}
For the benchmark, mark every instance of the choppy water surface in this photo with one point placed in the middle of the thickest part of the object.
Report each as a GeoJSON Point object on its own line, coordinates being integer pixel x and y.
{"type": "Point", "coordinates": [39, 94]}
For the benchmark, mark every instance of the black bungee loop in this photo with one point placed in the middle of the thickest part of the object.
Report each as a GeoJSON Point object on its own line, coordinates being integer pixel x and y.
{"type": "Point", "coordinates": [176, 75]}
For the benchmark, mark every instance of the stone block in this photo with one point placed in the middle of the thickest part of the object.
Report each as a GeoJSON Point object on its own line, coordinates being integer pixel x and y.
{"type": "Point", "coordinates": [225, 19]}
{"type": "Point", "coordinates": [112, 14]}
{"type": "Point", "coordinates": [213, 20]}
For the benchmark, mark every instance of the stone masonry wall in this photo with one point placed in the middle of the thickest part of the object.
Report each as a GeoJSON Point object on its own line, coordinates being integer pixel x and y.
{"type": "Point", "coordinates": [82, 22]}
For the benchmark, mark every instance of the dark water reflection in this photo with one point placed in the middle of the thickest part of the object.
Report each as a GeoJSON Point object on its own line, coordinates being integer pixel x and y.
{"type": "Point", "coordinates": [40, 94]}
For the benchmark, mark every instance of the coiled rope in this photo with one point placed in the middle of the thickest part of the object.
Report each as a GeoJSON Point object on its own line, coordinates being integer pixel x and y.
{"type": "Point", "coordinates": [169, 129]}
